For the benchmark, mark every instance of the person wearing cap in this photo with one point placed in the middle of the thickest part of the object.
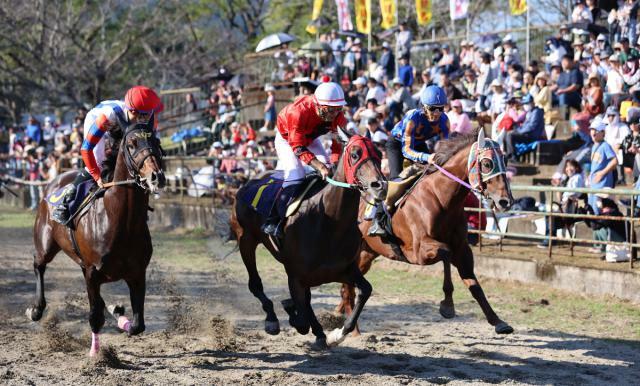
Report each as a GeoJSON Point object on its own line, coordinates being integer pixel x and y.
{"type": "Point", "coordinates": [594, 96]}
{"type": "Point", "coordinates": [109, 119]}
{"type": "Point", "coordinates": [498, 100]}
{"type": "Point", "coordinates": [400, 100]}
{"type": "Point", "coordinates": [569, 85]}
{"type": "Point", "coordinates": [361, 91]}
{"type": "Point", "coordinates": [511, 53]}
{"type": "Point", "coordinates": [460, 122]}
{"type": "Point", "coordinates": [541, 93]}
{"type": "Point", "coordinates": [615, 132]}
{"type": "Point", "coordinates": [269, 108]}
{"type": "Point", "coordinates": [388, 60]}
{"type": "Point", "coordinates": [581, 13]}
{"type": "Point", "coordinates": [531, 130]}
{"type": "Point", "coordinates": [405, 71]}
{"type": "Point", "coordinates": [555, 51]}
{"type": "Point", "coordinates": [631, 72]}
{"type": "Point", "coordinates": [467, 54]}
{"type": "Point", "coordinates": [603, 163]}
{"type": "Point", "coordinates": [299, 126]}
{"type": "Point", "coordinates": [602, 43]}
{"type": "Point", "coordinates": [449, 63]}
{"type": "Point", "coordinates": [375, 132]}
{"type": "Point", "coordinates": [615, 82]}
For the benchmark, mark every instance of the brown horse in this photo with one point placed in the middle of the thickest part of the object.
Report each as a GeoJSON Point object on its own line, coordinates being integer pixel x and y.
{"type": "Point", "coordinates": [112, 240]}
{"type": "Point", "coordinates": [320, 243]}
{"type": "Point", "coordinates": [431, 225]}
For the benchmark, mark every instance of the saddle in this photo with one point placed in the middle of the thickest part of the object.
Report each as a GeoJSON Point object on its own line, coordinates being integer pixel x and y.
{"type": "Point", "coordinates": [260, 193]}
{"type": "Point", "coordinates": [86, 192]}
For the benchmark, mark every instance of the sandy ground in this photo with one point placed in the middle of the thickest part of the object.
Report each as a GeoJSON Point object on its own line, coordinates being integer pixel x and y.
{"type": "Point", "coordinates": [204, 327]}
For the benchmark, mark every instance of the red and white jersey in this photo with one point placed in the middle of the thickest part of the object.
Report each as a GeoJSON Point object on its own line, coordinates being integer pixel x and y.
{"type": "Point", "coordinates": [299, 124]}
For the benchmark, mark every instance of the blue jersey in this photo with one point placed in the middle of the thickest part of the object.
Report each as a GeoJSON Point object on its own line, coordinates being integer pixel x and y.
{"type": "Point", "coordinates": [415, 129]}
{"type": "Point", "coordinates": [601, 154]}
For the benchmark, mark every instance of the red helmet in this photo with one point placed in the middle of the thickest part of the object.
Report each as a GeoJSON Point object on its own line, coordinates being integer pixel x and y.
{"type": "Point", "coordinates": [143, 99]}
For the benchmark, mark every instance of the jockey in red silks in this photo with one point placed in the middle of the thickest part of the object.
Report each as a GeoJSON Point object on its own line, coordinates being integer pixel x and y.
{"type": "Point", "coordinates": [108, 118]}
{"type": "Point", "coordinates": [297, 144]}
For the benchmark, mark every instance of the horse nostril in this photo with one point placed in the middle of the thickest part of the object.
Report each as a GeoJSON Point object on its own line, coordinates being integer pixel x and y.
{"type": "Point", "coordinates": [375, 185]}
{"type": "Point", "coordinates": [504, 203]}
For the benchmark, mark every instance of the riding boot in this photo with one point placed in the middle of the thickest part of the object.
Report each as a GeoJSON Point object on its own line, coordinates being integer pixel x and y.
{"type": "Point", "coordinates": [62, 213]}
{"type": "Point", "coordinates": [274, 224]}
{"type": "Point", "coordinates": [377, 227]}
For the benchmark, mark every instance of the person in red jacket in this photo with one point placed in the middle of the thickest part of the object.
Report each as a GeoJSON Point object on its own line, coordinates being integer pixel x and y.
{"type": "Point", "coordinates": [297, 144]}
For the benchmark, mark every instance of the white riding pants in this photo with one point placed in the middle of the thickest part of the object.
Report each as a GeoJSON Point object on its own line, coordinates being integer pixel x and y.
{"type": "Point", "coordinates": [294, 169]}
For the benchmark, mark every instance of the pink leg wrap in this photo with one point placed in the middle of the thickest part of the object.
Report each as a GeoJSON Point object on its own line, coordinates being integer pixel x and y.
{"type": "Point", "coordinates": [124, 323]}
{"type": "Point", "coordinates": [95, 344]}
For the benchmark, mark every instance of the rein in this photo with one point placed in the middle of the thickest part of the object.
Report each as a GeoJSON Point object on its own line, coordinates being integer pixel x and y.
{"type": "Point", "coordinates": [341, 184]}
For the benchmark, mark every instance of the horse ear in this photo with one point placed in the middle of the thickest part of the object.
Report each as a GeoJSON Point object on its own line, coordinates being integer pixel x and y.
{"type": "Point", "coordinates": [481, 138]}
{"type": "Point", "coordinates": [344, 135]}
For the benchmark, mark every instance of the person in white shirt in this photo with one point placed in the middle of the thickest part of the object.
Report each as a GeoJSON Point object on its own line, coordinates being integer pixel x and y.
{"type": "Point", "coordinates": [615, 82]}
{"type": "Point", "coordinates": [375, 91]}
{"type": "Point", "coordinates": [614, 135]}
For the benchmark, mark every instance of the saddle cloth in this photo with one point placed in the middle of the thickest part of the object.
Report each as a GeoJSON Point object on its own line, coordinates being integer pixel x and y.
{"type": "Point", "coordinates": [55, 198]}
{"type": "Point", "coordinates": [260, 193]}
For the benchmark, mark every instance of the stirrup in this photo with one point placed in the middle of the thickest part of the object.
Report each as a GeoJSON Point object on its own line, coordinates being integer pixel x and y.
{"type": "Point", "coordinates": [376, 229]}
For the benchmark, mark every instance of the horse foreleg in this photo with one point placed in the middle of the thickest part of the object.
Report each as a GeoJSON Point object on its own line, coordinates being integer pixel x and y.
{"type": "Point", "coordinates": [298, 319]}
{"type": "Point", "coordinates": [316, 327]}
{"type": "Point", "coordinates": [348, 292]}
{"type": "Point", "coordinates": [248, 252]}
{"type": "Point", "coordinates": [137, 290]}
{"type": "Point", "coordinates": [447, 308]}
{"type": "Point", "coordinates": [364, 291]}
{"type": "Point", "coordinates": [465, 269]}
{"type": "Point", "coordinates": [93, 281]}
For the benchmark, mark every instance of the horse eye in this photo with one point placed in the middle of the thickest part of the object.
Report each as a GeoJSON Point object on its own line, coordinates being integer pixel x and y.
{"type": "Point", "coordinates": [486, 166]}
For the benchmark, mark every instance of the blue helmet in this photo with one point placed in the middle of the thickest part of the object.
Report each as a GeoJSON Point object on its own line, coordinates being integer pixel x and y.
{"type": "Point", "coordinates": [433, 96]}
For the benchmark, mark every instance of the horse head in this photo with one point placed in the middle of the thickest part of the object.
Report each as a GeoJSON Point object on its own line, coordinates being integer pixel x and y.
{"type": "Point", "coordinates": [361, 165]}
{"type": "Point", "coordinates": [143, 156]}
{"type": "Point", "coordinates": [488, 173]}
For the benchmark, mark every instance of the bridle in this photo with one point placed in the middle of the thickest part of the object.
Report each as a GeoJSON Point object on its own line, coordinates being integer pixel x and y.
{"type": "Point", "coordinates": [146, 141]}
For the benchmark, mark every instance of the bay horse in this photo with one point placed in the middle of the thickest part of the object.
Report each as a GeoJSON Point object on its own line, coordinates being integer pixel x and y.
{"type": "Point", "coordinates": [320, 243]}
{"type": "Point", "coordinates": [431, 225]}
{"type": "Point", "coordinates": [111, 239]}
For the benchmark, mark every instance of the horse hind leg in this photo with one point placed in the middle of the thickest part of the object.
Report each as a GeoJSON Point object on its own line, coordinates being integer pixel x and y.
{"type": "Point", "coordinates": [248, 252]}
{"type": "Point", "coordinates": [42, 257]}
{"type": "Point", "coordinates": [447, 308]}
{"type": "Point", "coordinates": [93, 280]}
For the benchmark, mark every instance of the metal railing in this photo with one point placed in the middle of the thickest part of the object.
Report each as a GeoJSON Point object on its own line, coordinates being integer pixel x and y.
{"type": "Point", "coordinates": [550, 215]}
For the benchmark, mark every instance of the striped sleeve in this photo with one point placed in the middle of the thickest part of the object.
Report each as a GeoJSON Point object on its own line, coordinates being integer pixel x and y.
{"type": "Point", "coordinates": [96, 132]}
{"type": "Point", "coordinates": [408, 143]}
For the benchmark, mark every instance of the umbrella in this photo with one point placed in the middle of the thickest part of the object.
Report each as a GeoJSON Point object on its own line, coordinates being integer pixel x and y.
{"type": "Point", "coordinates": [320, 22]}
{"type": "Point", "coordinates": [353, 34]}
{"type": "Point", "coordinates": [274, 40]}
{"type": "Point", "coordinates": [316, 46]}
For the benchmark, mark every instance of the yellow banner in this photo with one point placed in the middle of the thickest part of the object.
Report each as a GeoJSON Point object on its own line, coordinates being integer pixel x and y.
{"type": "Point", "coordinates": [518, 7]}
{"type": "Point", "coordinates": [423, 11]}
{"type": "Point", "coordinates": [363, 16]}
{"type": "Point", "coordinates": [388, 10]}
{"type": "Point", "coordinates": [317, 9]}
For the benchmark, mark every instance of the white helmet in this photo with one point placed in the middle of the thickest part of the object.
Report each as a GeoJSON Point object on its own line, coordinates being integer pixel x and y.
{"type": "Point", "coordinates": [330, 94]}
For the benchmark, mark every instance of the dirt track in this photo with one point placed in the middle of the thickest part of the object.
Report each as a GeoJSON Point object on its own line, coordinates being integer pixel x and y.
{"type": "Point", "coordinates": [204, 327]}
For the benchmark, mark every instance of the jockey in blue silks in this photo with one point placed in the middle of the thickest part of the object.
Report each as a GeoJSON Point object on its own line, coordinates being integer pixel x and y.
{"type": "Point", "coordinates": [409, 140]}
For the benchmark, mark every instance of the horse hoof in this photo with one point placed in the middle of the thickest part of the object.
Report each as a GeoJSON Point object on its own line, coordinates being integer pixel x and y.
{"type": "Point", "coordinates": [272, 328]}
{"type": "Point", "coordinates": [34, 313]}
{"type": "Point", "coordinates": [93, 352]}
{"type": "Point", "coordinates": [336, 337]}
{"type": "Point", "coordinates": [320, 344]}
{"type": "Point", "coordinates": [447, 311]}
{"type": "Point", "coordinates": [136, 330]}
{"type": "Point", "coordinates": [503, 328]}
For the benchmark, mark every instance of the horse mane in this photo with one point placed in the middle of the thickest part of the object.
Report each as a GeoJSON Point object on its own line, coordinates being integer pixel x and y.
{"type": "Point", "coordinates": [448, 148]}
